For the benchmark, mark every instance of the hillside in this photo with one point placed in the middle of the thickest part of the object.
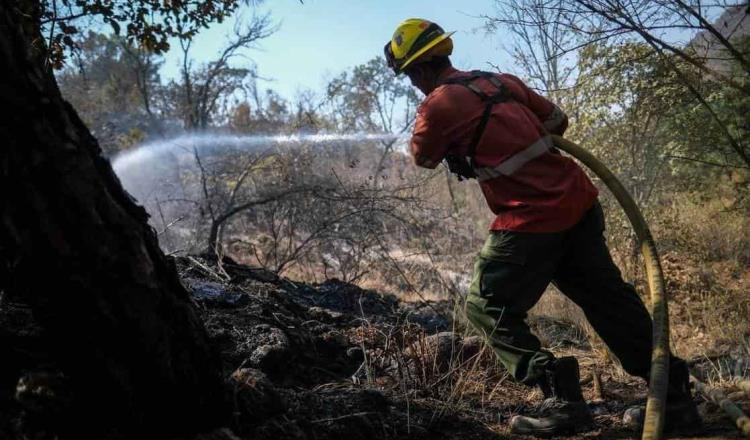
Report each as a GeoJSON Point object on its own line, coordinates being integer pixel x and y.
{"type": "Point", "coordinates": [333, 361]}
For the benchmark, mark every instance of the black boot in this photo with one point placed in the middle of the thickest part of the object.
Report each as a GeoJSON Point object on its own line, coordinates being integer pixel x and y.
{"type": "Point", "coordinates": [681, 413]}
{"type": "Point", "coordinates": [564, 410]}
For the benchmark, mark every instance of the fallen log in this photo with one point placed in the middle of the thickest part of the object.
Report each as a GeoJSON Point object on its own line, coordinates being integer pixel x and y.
{"type": "Point", "coordinates": [730, 408]}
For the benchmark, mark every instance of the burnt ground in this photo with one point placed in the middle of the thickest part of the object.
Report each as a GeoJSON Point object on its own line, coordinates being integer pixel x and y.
{"type": "Point", "coordinates": [333, 361]}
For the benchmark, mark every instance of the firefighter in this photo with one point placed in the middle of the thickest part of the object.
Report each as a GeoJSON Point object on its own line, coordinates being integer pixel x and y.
{"type": "Point", "coordinates": [548, 227]}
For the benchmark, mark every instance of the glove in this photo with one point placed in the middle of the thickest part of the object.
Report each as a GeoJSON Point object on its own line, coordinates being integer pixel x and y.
{"type": "Point", "coordinates": [460, 166]}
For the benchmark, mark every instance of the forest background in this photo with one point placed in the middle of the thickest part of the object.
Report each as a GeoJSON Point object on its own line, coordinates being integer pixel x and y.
{"type": "Point", "coordinates": [667, 115]}
{"type": "Point", "coordinates": [316, 185]}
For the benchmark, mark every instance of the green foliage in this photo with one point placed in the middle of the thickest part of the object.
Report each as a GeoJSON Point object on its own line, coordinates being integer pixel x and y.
{"type": "Point", "coordinates": [146, 23]}
{"type": "Point", "coordinates": [370, 98]}
{"type": "Point", "coordinates": [131, 138]}
{"type": "Point", "coordinates": [115, 88]}
{"type": "Point", "coordinates": [623, 96]}
{"type": "Point", "coordinates": [701, 137]}
{"type": "Point", "coordinates": [689, 223]}
{"type": "Point", "coordinates": [635, 111]}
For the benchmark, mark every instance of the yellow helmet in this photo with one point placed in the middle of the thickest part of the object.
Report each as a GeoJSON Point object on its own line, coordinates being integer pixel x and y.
{"type": "Point", "coordinates": [416, 41]}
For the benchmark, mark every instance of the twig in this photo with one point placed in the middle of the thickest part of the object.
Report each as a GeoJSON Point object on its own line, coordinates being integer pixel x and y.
{"type": "Point", "coordinates": [347, 416]}
{"type": "Point", "coordinates": [706, 162]}
{"type": "Point", "coordinates": [395, 264]}
{"type": "Point", "coordinates": [176, 251]}
{"type": "Point", "coordinates": [170, 224]}
{"type": "Point", "coordinates": [207, 269]}
{"type": "Point", "coordinates": [596, 378]}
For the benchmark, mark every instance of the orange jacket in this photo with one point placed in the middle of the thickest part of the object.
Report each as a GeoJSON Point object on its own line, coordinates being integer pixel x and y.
{"type": "Point", "coordinates": [527, 183]}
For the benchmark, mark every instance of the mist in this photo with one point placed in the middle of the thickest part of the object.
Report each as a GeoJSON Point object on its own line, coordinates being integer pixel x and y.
{"type": "Point", "coordinates": [161, 174]}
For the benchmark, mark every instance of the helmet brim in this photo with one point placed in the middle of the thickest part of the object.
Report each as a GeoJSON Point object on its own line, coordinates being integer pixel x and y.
{"type": "Point", "coordinates": [423, 50]}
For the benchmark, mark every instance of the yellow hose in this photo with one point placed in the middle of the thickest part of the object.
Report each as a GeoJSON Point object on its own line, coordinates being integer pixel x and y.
{"type": "Point", "coordinates": [653, 425]}
{"type": "Point", "coordinates": [744, 385]}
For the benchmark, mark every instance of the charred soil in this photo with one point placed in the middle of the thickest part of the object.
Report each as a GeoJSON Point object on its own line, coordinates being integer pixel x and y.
{"type": "Point", "coordinates": [331, 361]}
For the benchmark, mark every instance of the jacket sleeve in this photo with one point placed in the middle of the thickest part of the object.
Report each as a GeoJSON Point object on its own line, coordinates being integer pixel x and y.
{"type": "Point", "coordinates": [428, 144]}
{"type": "Point", "coordinates": [552, 117]}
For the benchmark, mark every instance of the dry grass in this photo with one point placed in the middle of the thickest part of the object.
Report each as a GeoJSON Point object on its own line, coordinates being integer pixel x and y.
{"type": "Point", "coordinates": [558, 322]}
{"type": "Point", "coordinates": [706, 228]}
{"type": "Point", "coordinates": [706, 255]}
{"type": "Point", "coordinates": [452, 372]}
{"type": "Point", "coordinates": [705, 252]}
{"type": "Point", "coordinates": [457, 373]}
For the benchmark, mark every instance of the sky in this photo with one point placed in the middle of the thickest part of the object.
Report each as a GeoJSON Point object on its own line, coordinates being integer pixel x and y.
{"type": "Point", "coordinates": [320, 38]}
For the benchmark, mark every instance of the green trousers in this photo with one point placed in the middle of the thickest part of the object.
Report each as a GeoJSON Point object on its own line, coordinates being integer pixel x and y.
{"type": "Point", "coordinates": [512, 272]}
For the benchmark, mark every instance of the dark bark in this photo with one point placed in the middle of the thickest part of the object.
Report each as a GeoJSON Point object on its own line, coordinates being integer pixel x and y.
{"type": "Point", "coordinates": [77, 248]}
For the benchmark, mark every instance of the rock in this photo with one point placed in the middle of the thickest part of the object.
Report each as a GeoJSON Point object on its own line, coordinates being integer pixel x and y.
{"type": "Point", "coordinates": [600, 409]}
{"type": "Point", "coordinates": [375, 399]}
{"type": "Point", "coordinates": [471, 346]}
{"type": "Point", "coordinates": [218, 434]}
{"type": "Point", "coordinates": [435, 352]}
{"type": "Point", "coordinates": [241, 273]}
{"type": "Point", "coordinates": [334, 337]}
{"type": "Point", "coordinates": [272, 348]}
{"type": "Point", "coordinates": [433, 317]}
{"type": "Point", "coordinates": [43, 392]}
{"type": "Point", "coordinates": [417, 432]}
{"type": "Point", "coordinates": [325, 315]}
{"type": "Point", "coordinates": [279, 429]}
{"type": "Point", "coordinates": [633, 417]}
{"type": "Point", "coordinates": [439, 352]}
{"type": "Point", "coordinates": [217, 295]}
{"type": "Point", "coordinates": [355, 353]}
{"type": "Point", "coordinates": [337, 296]}
{"type": "Point", "coordinates": [255, 395]}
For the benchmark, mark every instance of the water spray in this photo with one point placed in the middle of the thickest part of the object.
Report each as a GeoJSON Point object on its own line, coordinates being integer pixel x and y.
{"type": "Point", "coordinates": [252, 144]}
{"type": "Point", "coordinates": [155, 172]}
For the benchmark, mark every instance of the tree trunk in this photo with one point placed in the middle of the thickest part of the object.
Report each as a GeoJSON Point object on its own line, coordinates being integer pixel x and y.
{"type": "Point", "coordinates": [78, 249]}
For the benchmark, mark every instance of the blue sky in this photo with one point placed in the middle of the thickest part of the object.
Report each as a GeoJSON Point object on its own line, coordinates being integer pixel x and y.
{"type": "Point", "coordinates": [320, 38]}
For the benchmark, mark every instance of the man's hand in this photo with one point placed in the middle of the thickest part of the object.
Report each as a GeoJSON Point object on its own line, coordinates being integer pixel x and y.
{"type": "Point", "coordinates": [460, 166]}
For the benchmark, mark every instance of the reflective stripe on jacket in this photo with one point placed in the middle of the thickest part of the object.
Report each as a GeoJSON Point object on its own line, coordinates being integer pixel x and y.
{"type": "Point", "coordinates": [527, 184]}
